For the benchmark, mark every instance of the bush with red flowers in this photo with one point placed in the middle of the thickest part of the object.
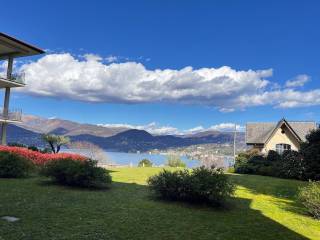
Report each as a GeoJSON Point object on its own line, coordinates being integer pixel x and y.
{"type": "Point", "coordinates": [39, 158]}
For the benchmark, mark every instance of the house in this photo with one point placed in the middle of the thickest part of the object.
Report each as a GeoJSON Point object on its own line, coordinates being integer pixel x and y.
{"type": "Point", "coordinates": [11, 48]}
{"type": "Point", "coordinates": [281, 136]}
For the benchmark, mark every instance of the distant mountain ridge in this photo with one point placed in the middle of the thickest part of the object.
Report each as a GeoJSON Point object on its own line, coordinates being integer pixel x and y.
{"type": "Point", "coordinates": [70, 128]}
{"type": "Point", "coordinates": [109, 138]}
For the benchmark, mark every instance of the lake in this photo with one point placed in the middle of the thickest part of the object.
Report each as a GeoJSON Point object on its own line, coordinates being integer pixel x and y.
{"type": "Point", "coordinates": [132, 159]}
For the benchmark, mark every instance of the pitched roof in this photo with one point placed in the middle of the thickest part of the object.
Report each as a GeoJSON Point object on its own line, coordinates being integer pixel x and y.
{"type": "Point", "coordinates": [258, 133]}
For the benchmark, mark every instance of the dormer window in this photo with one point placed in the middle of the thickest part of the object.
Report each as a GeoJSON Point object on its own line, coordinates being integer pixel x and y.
{"type": "Point", "coordinates": [280, 148]}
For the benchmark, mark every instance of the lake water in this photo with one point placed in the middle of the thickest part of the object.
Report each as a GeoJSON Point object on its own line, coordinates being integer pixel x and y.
{"type": "Point", "coordinates": [132, 159]}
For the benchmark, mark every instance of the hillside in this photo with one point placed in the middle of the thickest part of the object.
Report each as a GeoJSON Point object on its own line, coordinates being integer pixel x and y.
{"type": "Point", "coordinates": [115, 139]}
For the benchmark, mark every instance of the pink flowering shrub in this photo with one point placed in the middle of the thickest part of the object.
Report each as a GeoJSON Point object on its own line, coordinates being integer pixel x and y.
{"type": "Point", "coordinates": [39, 158]}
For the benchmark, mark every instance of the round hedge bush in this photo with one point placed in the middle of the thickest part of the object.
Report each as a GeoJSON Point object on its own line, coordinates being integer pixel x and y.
{"type": "Point", "coordinates": [14, 166]}
{"type": "Point", "coordinates": [77, 173]}
{"type": "Point", "coordinates": [145, 163]}
{"type": "Point", "coordinates": [201, 185]}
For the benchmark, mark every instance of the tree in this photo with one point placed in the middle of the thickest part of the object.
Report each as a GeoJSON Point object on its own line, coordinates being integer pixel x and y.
{"type": "Point", "coordinates": [55, 141]}
{"type": "Point", "coordinates": [91, 151]}
{"type": "Point", "coordinates": [310, 151]}
{"type": "Point", "coordinates": [145, 163]}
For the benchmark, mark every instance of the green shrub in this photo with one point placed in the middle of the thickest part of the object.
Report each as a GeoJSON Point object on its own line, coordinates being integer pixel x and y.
{"type": "Point", "coordinates": [200, 185]}
{"type": "Point", "coordinates": [175, 161]}
{"type": "Point", "coordinates": [77, 173]}
{"type": "Point", "coordinates": [248, 162]}
{"type": "Point", "coordinates": [241, 164]}
{"type": "Point", "coordinates": [33, 148]}
{"type": "Point", "coordinates": [291, 165]}
{"type": "Point", "coordinates": [310, 198]}
{"type": "Point", "coordinates": [311, 155]}
{"type": "Point", "coordinates": [14, 166]}
{"type": "Point", "coordinates": [145, 163]}
{"type": "Point", "coordinates": [15, 144]}
{"type": "Point", "coordinates": [273, 156]}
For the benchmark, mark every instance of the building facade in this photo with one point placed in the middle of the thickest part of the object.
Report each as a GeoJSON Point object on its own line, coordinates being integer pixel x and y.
{"type": "Point", "coordinates": [281, 136]}
{"type": "Point", "coordinates": [11, 48]}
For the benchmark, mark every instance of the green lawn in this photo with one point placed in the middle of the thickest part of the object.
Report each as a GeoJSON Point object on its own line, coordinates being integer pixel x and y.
{"type": "Point", "coordinates": [263, 208]}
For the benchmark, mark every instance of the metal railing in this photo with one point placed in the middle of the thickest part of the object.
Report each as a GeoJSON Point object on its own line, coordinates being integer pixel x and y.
{"type": "Point", "coordinates": [18, 77]}
{"type": "Point", "coordinates": [15, 77]}
{"type": "Point", "coordinates": [12, 115]}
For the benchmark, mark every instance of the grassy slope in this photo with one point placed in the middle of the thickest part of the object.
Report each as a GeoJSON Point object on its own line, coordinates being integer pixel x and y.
{"type": "Point", "coordinates": [264, 208]}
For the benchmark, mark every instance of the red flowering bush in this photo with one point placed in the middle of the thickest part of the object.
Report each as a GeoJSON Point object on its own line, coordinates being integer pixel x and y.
{"type": "Point", "coordinates": [39, 158]}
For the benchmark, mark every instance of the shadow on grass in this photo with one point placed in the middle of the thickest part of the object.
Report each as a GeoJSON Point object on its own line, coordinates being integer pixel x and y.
{"type": "Point", "coordinates": [126, 211]}
{"type": "Point", "coordinates": [48, 182]}
{"type": "Point", "coordinates": [235, 220]}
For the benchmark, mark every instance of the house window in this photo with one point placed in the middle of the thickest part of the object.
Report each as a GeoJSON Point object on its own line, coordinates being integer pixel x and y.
{"type": "Point", "coordinates": [280, 148]}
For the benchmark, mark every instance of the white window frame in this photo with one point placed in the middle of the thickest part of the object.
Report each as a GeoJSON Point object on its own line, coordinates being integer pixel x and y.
{"type": "Point", "coordinates": [281, 147]}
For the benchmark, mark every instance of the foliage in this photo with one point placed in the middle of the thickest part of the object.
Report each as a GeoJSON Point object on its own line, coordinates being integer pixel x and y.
{"type": "Point", "coordinates": [273, 156]}
{"type": "Point", "coordinates": [311, 155]}
{"type": "Point", "coordinates": [310, 198]}
{"type": "Point", "coordinates": [249, 162]}
{"type": "Point", "coordinates": [241, 163]}
{"type": "Point", "coordinates": [90, 150]}
{"type": "Point", "coordinates": [39, 158]}
{"type": "Point", "coordinates": [201, 185]}
{"type": "Point", "coordinates": [16, 144]}
{"type": "Point", "coordinates": [291, 165]}
{"type": "Point", "coordinates": [145, 163]}
{"type": "Point", "coordinates": [175, 161]}
{"type": "Point", "coordinates": [33, 148]}
{"type": "Point", "coordinates": [263, 208]}
{"type": "Point", "coordinates": [14, 166]}
{"type": "Point", "coordinates": [55, 141]}
{"type": "Point", "coordinates": [288, 165]}
{"type": "Point", "coordinates": [76, 173]}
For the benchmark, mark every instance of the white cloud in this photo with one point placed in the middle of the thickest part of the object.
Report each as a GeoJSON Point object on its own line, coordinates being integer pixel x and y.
{"type": "Point", "coordinates": [89, 57]}
{"type": "Point", "coordinates": [62, 75]}
{"type": "Point", "coordinates": [111, 59]}
{"type": "Point", "coordinates": [224, 127]}
{"type": "Point", "coordinates": [194, 130]}
{"type": "Point", "coordinates": [156, 129]}
{"type": "Point", "coordinates": [152, 128]}
{"type": "Point", "coordinates": [298, 81]}
{"type": "Point", "coordinates": [90, 79]}
{"type": "Point", "coordinates": [287, 98]}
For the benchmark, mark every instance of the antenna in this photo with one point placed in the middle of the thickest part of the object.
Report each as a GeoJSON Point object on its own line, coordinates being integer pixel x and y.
{"type": "Point", "coordinates": [234, 141]}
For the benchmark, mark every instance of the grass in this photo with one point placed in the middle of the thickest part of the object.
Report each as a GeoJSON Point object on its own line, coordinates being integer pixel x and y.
{"type": "Point", "coordinates": [263, 208]}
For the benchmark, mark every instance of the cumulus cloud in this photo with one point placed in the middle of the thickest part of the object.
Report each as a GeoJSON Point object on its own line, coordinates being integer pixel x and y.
{"type": "Point", "coordinates": [224, 127]}
{"type": "Point", "coordinates": [156, 129]}
{"type": "Point", "coordinates": [111, 59]}
{"type": "Point", "coordinates": [287, 98]}
{"type": "Point", "coordinates": [63, 75]}
{"type": "Point", "coordinates": [91, 79]}
{"type": "Point", "coordinates": [298, 81]}
{"type": "Point", "coordinates": [152, 128]}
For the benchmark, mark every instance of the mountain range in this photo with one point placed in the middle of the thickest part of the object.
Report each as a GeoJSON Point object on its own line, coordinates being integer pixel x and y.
{"type": "Point", "coordinates": [110, 138]}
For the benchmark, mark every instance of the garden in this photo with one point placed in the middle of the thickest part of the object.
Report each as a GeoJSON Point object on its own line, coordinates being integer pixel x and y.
{"type": "Point", "coordinates": [68, 196]}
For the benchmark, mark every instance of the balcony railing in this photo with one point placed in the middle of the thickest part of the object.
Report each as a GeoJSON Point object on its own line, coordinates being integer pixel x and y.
{"type": "Point", "coordinates": [15, 77]}
{"type": "Point", "coordinates": [18, 77]}
{"type": "Point", "coordinates": [13, 115]}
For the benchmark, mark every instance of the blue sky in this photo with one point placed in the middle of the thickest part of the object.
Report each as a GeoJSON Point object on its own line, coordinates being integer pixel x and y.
{"type": "Point", "coordinates": [242, 35]}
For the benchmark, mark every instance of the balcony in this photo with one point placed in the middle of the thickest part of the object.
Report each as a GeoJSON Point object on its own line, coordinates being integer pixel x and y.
{"type": "Point", "coordinates": [16, 80]}
{"type": "Point", "coordinates": [14, 115]}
